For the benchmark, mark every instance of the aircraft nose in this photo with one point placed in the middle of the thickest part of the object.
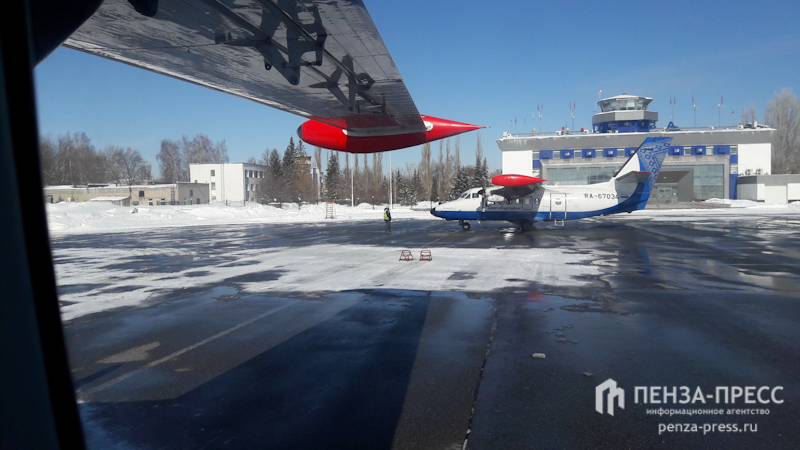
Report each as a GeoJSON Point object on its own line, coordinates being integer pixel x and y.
{"type": "Point", "coordinates": [433, 211]}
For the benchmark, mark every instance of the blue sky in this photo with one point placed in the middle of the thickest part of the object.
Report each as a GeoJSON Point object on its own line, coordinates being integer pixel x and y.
{"type": "Point", "coordinates": [479, 62]}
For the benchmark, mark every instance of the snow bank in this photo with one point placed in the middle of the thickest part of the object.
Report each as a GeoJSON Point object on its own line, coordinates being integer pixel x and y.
{"type": "Point", "coordinates": [93, 217]}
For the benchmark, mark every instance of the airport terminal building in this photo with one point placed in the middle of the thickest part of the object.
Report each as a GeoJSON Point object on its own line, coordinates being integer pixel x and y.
{"type": "Point", "coordinates": [702, 163]}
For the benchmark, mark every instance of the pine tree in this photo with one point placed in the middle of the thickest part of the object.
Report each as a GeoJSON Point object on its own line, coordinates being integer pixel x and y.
{"type": "Point", "coordinates": [332, 178]}
{"type": "Point", "coordinates": [418, 187]}
{"type": "Point", "coordinates": [461, 182]}
{"type": "Point", "coordinates": [406, 194]}
{"type": "Point", "coordinates": [481, 174]}
{"type": "Point", "coordinates": [275, 179]}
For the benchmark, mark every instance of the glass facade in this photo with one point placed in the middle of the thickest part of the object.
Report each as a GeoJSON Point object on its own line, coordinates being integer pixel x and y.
{"type": "Point", "coordinates": [708, 181]}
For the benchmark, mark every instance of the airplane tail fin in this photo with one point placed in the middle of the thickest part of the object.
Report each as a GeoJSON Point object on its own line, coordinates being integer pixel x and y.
{"type": "Point", "coordinates": [643, 166]}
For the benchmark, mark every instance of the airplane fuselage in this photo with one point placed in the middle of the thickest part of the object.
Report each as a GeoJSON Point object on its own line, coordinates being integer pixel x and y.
{"type": "Point", "coordinates": [521, 199]}
{"type": "Point", "coordinates": [546, 203]}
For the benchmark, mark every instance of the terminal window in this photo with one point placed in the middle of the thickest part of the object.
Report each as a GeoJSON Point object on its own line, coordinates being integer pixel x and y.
{"type": "Point", "coordinates": [580, 175]}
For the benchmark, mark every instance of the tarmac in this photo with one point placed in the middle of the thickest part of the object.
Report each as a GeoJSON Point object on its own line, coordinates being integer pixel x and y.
{"type": "Point", "coordinates": [709, 304]}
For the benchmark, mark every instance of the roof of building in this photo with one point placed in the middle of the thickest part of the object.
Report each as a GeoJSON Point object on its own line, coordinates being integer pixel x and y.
{"type": "Point", "coordinates": [588, 139]}
{"type": "Point", "coordinates": [108, 199]}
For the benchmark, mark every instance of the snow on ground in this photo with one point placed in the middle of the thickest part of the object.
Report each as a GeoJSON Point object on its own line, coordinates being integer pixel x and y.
{"type": "Point", "coordinates": [96, 279]}
{"type": "Point", "coordinates": [737, 208]}
{"type": "Point", "coordinates": [312, 269]}
{"type": "Point", "coordinates": [95, 217]}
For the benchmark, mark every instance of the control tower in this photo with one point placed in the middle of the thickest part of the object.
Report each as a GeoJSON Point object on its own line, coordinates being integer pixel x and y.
{"type": "Point", "coordinates": [624, 114]}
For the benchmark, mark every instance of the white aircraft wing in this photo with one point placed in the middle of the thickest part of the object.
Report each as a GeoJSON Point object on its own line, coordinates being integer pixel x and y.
{"type": "Point", "coordinates": [320, 59]}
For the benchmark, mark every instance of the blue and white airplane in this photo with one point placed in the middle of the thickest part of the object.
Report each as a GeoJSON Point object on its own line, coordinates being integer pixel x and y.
{"type": "Point", "coordinates": [523, 200]}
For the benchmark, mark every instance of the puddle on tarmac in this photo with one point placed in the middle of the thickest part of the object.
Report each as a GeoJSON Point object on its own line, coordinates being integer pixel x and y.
{"type": "Point", "coordinates": [547, 303]}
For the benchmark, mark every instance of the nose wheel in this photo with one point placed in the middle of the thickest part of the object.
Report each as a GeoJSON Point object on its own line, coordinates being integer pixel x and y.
{"type": "Point", "coordinates": [526, 225]}
{"type": "Point", "coordinates": [464, 225]}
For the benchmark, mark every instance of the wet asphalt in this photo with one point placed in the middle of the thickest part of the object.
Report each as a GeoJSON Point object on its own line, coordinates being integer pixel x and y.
{"type": "Point", "coordinates": [700, 303]}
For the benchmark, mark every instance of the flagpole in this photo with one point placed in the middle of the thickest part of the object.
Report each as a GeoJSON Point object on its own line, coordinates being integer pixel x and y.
{"type": "Point", "coordinates": [352, 200]}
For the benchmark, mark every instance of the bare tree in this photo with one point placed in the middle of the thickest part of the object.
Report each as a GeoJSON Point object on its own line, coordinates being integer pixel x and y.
{"type": "Point", "coordinates": [749, 115]}
{"type": "Point", "coordinates": [264, 160]}
{"type": "Point", "coordinates": [201, 150]}
{"type": "Point", "coordinates": [77, 161]}
{"type": "Point", "coordinates": [457, 158]}
{"type": "Point", "coordinates": [125, 165]}
{"type": "Point", "coordinates": [48, 151]}
{"type": "Point", "coordinates": [170, 164]}
{"type": "Point", "coordinates": [479, 149]}
{"type": "Point", "coordinates": [318, 157]}
{"type": "Point", "coordinates": [783, 114]}
{"type": "Point", "coordinates": [377, 164]}
{"type": "Point", "coordinates": [145, 172]}
{"type": "Point", "coordinates": [425, 170]}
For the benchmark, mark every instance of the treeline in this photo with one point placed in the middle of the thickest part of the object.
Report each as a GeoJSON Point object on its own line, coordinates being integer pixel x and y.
{"type": "Point", "coordinates": [432, 179]}
{"type": "Point", "coordinates": [440, 179]}
{"type": "Point", "coordinates": [175, 156]}
{"type": "Point", "coordinates": [369, 185]}
{"type": "Point", "coordinates": [783, 114]}
{"type": "Point", "coordinates": [287, 178]}
{"type": "Point", "coordinates": [71, 159]}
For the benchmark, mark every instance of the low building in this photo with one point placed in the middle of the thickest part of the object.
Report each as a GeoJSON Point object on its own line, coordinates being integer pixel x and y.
{"type": "Point", "coordinates": [229, 182]}
{"type": "Point", "coordinates": [119, 201]}
{"type": "Point", "coordinates": [769, 188]}
{"type": "Point", "coordinates": [150, 195]}
{"type": "Point", "coordinates": [702, 163]}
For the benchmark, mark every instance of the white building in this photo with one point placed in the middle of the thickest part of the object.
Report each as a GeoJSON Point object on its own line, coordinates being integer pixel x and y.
{"type": "Point", "coordinates": [770, 188]}
{"type": "Point", "coordinates": [702, 163]}
{"type": "Point", "coordinates": [229, 182]}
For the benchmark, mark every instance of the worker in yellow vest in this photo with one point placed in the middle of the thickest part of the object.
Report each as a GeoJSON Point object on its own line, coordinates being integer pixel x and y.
{"type": "Point", "coordinates": [387, 219]}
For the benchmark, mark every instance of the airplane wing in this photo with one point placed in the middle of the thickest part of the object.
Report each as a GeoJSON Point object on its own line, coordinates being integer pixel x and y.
{"type": "Point", "coordinates": [320, 59]}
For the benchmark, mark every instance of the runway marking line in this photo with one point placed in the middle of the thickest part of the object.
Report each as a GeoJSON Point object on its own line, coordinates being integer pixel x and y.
{"type": "Point", "coordinates": [178, 353]}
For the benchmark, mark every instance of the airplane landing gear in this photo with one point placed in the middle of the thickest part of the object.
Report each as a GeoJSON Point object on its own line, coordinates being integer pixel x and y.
{"type": "Point", "coordinates": [526, 225]}
{"type": "Point", "coordinates": [464, 225]}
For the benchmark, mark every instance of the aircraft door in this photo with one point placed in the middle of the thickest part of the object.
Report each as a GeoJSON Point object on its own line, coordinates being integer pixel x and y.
{"type": "Point", "coordinates": [527, 203]}
{"type": "Point", "coordinates": [558, 206]}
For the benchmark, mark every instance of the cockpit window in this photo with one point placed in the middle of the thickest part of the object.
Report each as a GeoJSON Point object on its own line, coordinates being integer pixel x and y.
{"type": "Point", "coordinates": [475, 195]}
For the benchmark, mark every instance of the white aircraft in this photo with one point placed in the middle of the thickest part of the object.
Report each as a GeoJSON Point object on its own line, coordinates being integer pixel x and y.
{"type": "Point", "coordinates": [523, 200]}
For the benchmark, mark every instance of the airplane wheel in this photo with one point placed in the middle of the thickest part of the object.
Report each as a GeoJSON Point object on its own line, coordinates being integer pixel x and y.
{"type": "Point", "coordinates": [465, 226]}
{"type": "Point", "coordinates": [527, 225]}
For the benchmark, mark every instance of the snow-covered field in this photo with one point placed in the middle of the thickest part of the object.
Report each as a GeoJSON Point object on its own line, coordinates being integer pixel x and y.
{"type": "Point", "coordinates": [95, 217]}
{"type": "Point", "coordinates": [107, 272]}
{"type": "Point", "coordinates": [106, 218]}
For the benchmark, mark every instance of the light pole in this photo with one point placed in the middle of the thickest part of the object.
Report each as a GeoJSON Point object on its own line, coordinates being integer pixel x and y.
{"type": "Point", "coordinates": [572, 112]}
